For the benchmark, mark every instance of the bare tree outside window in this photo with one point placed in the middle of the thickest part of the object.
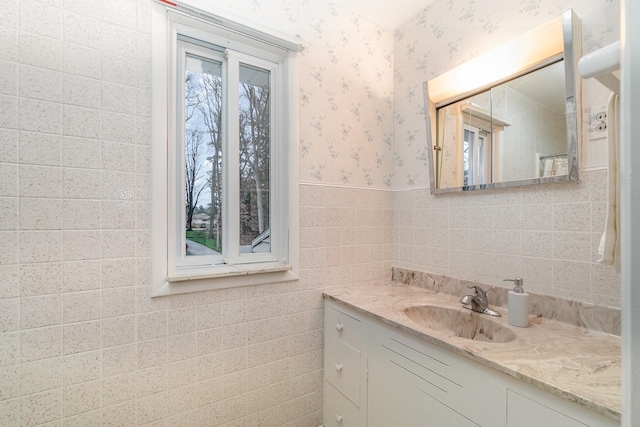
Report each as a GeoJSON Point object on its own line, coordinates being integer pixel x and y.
{"type": "Point", "coordinates": [194, 185]}
{"type": "Point", "coordinates": [255, 143]}
{"type": "Point", "coordinates": [204, 154]}
{"type": "Point", "coordinates": [203, 117]}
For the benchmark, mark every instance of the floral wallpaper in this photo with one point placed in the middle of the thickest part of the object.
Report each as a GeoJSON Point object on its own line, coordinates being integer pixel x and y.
{"type": "Point", "coordinates": [346, 89]}
{"type": "Point", "coordinates": [346, 99]}
{"type": "Point", "coordinates": [450, 32]}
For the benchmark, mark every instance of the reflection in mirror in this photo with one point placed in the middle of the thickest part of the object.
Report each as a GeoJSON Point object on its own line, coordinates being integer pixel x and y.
{"type": "Point", "coordinates": [521, 129]}
{"type": "Point", "coordinates": [466, 137]}
{"type": "Point", "coordinates": [514, 131]}
{"type": "Point", "coordinates": [535, 145]}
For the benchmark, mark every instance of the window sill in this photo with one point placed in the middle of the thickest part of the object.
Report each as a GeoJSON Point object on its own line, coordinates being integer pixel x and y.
{"type": "Point", "coordinates": [226, 272]}
{"type": "Point", "coordinates": [226, 277]}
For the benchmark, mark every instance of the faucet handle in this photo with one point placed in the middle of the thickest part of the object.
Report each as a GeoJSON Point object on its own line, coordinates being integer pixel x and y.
{"type": "Point", "coordinates": [481, 293]}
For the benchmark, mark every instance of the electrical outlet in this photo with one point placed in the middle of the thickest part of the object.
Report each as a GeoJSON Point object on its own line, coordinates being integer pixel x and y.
{"type": "Point", "coordinates": [599, 121]}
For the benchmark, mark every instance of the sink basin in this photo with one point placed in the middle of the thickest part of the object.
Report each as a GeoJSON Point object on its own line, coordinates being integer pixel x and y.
{"type": "Point", "coordinates": [462, 324]}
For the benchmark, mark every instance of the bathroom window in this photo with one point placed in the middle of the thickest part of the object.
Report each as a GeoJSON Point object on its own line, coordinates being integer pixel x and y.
{"type": "Point", "coordinates": [476, 155]}
{"type": "Point", "coordinates": [224, 117]}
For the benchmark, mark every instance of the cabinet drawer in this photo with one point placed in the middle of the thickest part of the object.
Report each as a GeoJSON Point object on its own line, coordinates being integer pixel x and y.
{"type": "Point", "coordinates": [340, 411]}
{"type": "Point", "coordinates": [342, 368]}
{"type": "Point", "coordinates": [424, 361]}
{"type": "Point", "coordinates": [342, 326]}
{"type": "Point", "coordinates": [524, 412]}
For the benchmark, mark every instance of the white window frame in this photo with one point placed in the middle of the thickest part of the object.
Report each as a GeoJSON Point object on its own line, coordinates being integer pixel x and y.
{"type": "Point", "coordinates": [171, 272]}
{"type": "Point", "coordinates": [479, 155]}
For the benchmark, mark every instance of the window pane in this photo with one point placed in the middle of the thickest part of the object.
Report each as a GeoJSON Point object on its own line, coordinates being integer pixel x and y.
{"type": "Point", "coordinates": [203, 155]}
{"type": "Point", "coordinates": [254, 159]}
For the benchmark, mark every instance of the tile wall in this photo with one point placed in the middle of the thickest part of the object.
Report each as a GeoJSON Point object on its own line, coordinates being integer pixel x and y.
{"type": "Point", "coordinates": [546, 234]}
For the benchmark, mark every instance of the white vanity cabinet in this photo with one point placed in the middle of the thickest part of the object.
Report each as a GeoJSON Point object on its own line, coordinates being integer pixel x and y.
{"type": "Point", "coordinates": [377, 375]}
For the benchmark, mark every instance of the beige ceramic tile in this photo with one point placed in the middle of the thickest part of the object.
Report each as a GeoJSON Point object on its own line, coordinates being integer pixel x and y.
{"type": "Point", "coordinates": [79, 337]}
{"type": "Point", "coordinates": [9, 382]}
{"type": "Point", "coordinates": [82, 397]}
{"type": "Point", "coordinates": [9, 79]}
{"type": "Point", "coordinates": [182, 321]}
{"type": "Point", "coordinates": [9, 348]}
{"type": "Point", "coordinates": [39, 116]}
{"type": "Point", "coordinates": [80, 183]}
{"type": "Point", "coordinates": [118, 272]}
{"type": "Point", "coordinates": [87, 419]}
{"type": "Point", "coordinates": [40, 343]}
{"type": "Point", "coordinates": [81, 275]}
{"type": "Point", "coordinates": [118, 330]}
{"type": "Point", "coordinates": [9, 145]}
{"type": "Point", "coordinates": [151, 408]}
{"type": "Point", "coordinates": [152, 353]}
{"type": "Point", "coordinates": [119, 415]}
{"type": "Point", "coordinates": [119, 156]}
{"type": "Point", "coordinates": [81, 60]}
{"type": "Point", "coordinates": [82, 367]}
{"type": "Point", "coordinates": [40, 408]}
{"type": "Point", "coordinates": [9, 276]}
{"type": "Point", "coordinates": [152, 325]}
{"type": "Point", "coordinates": [182, 347]}
{"type": "Point", "coordinates": [82, 245]}
{"type": "Point", "coordinates": [182, 373]}
{"type": "Point", "coordinates": [45, 19]}
{"type": "Point", "coordinates": [81, 214]}
{"type": "Point", "coordinates": [41, 148]}
{"type": "Point", "coordinates": [209, 341]}
{"type": "Point", "coordinates": [9, 314]}
{"type": "Point", "coordinates": [81, 29]}
{"type": "Point", "coordinates": [118, 360]}
{"type": "Point", "coordinates": [119, 388]}
{"type": "Point", "coordinates": [82, 306]}
{"type": "Point", "coordinates": [40, 181]}
{"type": "Point", "coordinates": [151, 380]}
{"type": "Point", "coordinates": [81, 152]}
{"type": "Point", "coordinates": [118, 302]}
{"type": "Point", "coordinates": [81, 122]}
{"type": "Point", "coordinates": [41, 311]}
{"type": "Point", "coordinates": [9, 110]}
{"type": "Point", "coordinates": [41, 375]}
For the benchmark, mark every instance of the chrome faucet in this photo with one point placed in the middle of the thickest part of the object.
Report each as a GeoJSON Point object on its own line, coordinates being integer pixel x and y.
{"type": "Point", "coordinates": [478, 302]}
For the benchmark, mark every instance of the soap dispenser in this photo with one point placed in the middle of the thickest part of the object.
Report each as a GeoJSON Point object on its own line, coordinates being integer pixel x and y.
{"type": "Point", "coordinates": [518, 309]}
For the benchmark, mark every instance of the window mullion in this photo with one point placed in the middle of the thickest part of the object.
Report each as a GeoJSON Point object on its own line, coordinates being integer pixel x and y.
{"type": "Point", "coordinates": [232, 156]}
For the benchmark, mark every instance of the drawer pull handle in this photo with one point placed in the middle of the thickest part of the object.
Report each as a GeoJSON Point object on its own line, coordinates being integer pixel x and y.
{"type": "Point", "coordinates": [338, 367]}
{"type": "Point", "coordinates": [339, 418]}
{"type": "Point", "coordinates": [339, 327]}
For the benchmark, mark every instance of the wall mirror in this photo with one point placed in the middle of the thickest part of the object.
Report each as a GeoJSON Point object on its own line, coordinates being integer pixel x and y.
{"type": "Point", "coordinates": [509, 117]}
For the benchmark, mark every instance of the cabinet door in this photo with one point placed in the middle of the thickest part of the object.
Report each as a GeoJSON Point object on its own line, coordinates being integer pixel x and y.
{"type": "Point", "coordinates": [524, 412]}
{"type": "Point", "coordinates": [397, 398]}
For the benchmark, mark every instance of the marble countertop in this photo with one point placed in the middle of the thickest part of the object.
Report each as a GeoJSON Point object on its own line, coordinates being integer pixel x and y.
{"type": "Point", "coordinates": [569, 361]}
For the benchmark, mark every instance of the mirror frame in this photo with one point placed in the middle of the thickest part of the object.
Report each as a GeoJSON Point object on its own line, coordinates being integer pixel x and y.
{"type": "Point", "coordinates": [571, 52]}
